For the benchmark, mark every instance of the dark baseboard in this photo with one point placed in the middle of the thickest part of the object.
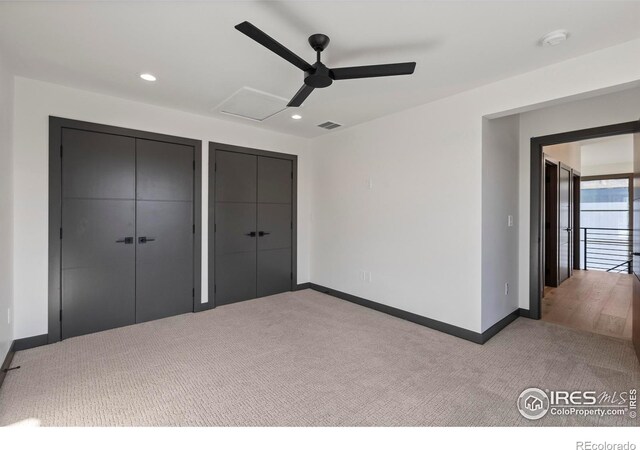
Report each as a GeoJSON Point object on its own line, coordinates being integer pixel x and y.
{"type": "Point", "coordinates": [303, 286]}
{"type": "Point", "coordinates": [7, 362]}
{"type": "Point", "coordinates": [30, 342]}
{"type": "Point", "coordinates": [463, 333]}
{"type": "Point", "coordinates": [493, 329]}
{"type": "Point", "coordinates": [525, 313]}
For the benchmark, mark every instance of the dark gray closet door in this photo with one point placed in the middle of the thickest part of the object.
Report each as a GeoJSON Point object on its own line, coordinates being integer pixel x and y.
{"type": "Point", "coordinates": [164, 240]}
{"type": "Point", "coordinates": [235, 227]}
{"type": "Point", "coordinates": [275, 184]}
{"type": "Point", "coordinates": [98, 215]}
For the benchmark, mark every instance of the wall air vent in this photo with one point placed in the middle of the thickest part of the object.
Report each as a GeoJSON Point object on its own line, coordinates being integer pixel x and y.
{"type": "Point", "coordinates": [329, 125]}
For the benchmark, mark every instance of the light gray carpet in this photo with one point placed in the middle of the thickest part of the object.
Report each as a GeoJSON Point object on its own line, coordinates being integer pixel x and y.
{"type": "Point", "coordinates": [305, 358]}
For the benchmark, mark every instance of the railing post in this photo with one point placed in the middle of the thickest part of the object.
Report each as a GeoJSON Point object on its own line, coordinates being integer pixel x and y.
{"type": "Point", "coordinates": [584, 249]}
{"type": "Point", "coordinates": [630, 259]}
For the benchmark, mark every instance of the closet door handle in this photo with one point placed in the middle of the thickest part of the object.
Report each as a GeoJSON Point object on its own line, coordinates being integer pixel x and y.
{"type": "Point", "coordinates": [144, 240]}
{"type": "Point", "coordinates": [252, 234]}
{"type": "Point", "coordinates": [127, 240]}
{"type": "Point", "coordinates": [263, 233]}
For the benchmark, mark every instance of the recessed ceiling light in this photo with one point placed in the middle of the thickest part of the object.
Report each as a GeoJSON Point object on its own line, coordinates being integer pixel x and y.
{"type": "Point", "coordinates": [147, 77]}
{"type": "Point", "coordinates": [554, 38]}
{"type": "Point", "coordinates": [296, 117]}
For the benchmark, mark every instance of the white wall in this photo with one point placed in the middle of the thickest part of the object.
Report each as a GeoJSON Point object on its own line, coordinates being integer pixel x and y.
{"type": "Point", "coordinates": [500, 139]}
{"type": "Point", "coordinates": [35, 101]}
{"type": "Point", "coordinates": [418, 230]}
{"type": "Point", "coordinates": [597, 111]}
{"type": "Point", "coordinates": [6, 210]}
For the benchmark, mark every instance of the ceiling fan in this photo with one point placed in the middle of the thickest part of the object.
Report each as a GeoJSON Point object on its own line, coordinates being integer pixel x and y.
{"type": "Point", "coordinates": [318, 75]}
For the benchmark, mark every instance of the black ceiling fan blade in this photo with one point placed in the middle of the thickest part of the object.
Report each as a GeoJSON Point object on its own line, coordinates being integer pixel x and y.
{"type": "Point", "coordinates": [301, 95]}
{"type": "Point", "coordinates": [264, 39]}
{"type": "Point", "coordinates": [380, 70]}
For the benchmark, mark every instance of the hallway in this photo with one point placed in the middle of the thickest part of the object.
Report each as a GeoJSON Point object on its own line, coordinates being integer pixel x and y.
{"type": "Point", "coordinates": [592, 300]}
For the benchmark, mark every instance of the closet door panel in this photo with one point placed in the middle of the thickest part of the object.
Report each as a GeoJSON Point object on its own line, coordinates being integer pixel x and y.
{"type": "Point", "coordinates": [164, 232]}
{"type": "Point", "coordinates": [164, 171]}
{"type": "Point", "coordinates": [164, 262]}
{"type": "Point", "coordinates": [274, 271]}
{"type": "Point", "coordinates": [275, 180]}
{"type": "Point", "coordinates": [274, 225]}
{"type": "Point", "coordinates": [98, 226]}
{"type": "Point", "coordinates": [235, 177]}
{"type": "Point", "coordinates": [235, 277]}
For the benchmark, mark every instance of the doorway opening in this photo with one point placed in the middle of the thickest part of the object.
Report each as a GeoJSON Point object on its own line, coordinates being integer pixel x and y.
{"type": "Point", "coordinates": [588, 235]}
{"type": "Point", "coordinates": [583, 258]}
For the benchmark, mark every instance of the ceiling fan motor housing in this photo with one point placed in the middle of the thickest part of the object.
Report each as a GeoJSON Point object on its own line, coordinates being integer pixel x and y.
{"type": "Point", "coordinates": [319, 78]}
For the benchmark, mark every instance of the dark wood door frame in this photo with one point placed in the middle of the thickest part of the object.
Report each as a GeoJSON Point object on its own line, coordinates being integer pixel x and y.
{"type": "Point", "coordinates": [536, 253]}
{"type": "Point", "coordinates": [213, 146]}
{"type": "Point", "coordinates": [56, 125]}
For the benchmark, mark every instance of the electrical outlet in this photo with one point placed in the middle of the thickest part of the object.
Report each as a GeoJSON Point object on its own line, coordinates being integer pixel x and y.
{"type": "Point", "coordinates": [363, 275]}
{"type": "Point", "coordinates": [369, 277]}
{"type": "Point", "coordinates": [509, 220]}
{"type": "Point", "coordinates": [506, 289]}
{"type": "Point", "coordinates": [370, 183]}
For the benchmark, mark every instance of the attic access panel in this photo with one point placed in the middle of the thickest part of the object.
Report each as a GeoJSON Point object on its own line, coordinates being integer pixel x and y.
{"type": "Point", "coordinates": [252, 104]}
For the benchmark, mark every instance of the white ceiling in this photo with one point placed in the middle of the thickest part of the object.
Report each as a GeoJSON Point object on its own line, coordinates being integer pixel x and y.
{"type": "Point", "coordinates": [200, 59]}
{"type": "Point", "coordinates": [607, 151]}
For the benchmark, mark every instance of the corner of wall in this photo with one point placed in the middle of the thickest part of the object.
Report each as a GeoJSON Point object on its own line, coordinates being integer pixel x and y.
{"type": "Point", "coordinates": [6, 208]}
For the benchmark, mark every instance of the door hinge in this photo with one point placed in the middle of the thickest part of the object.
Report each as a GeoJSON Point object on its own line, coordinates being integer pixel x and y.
{"type": "Point", "coordinates": [60, 151]}
{"type": "Point", "coordinates": [215, 227]}
{"type": "Point", "coordinates": [194, 164]}
{"type": "Point", "coordinates": [292, 275]}
{"type": "Point", "coordinates": [215, 166]}
{"type": "Point", "coordinates": [60, 315]}
{"type": "Point", "coordinates": [194, 228]}
{"type": "Point", "coordinates": [60, 232]}
{"type": "Point", "coordinates": [193, 293]}
{"type": "Point", "coordinates": [292, 175]}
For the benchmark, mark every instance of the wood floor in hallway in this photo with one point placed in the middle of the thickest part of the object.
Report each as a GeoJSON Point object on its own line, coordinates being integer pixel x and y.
{"type": "Point", "coordinates": [591, 300]}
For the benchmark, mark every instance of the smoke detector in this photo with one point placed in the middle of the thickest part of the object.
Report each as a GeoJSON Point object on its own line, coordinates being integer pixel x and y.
{"type": "Point", "coordinates": [554, 38]}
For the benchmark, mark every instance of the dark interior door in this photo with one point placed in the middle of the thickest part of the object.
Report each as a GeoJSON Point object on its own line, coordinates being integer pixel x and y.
{"type": "Point", "coordinates": [253, 226]}
{"type": "Point", "coordinates": [275, 183]}
{"type": "Point", "coordinates": [235, 227]}
{"type": "Point", "coordinates": [564, 223]}
{"type": "Point", "coordinates": [164, 238]}
{"type": "Point", "coordinates": [551, 225]}
{"type": "Point", "coordinates": [98, 229]}
{"type": "Point", "coordinates": [635, 305]}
